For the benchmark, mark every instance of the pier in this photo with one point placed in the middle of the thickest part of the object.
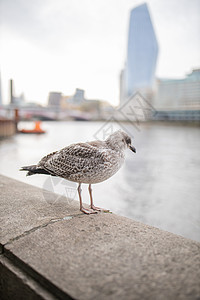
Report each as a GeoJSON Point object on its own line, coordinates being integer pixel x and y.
{"type": "Point", "coordinates": [7, 128]}
{"type": "Point", "coordinates": [50, 250]}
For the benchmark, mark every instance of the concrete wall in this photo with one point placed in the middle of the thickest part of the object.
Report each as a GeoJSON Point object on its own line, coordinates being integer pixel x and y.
{"type": "Point", "coordinates": [50, 250]}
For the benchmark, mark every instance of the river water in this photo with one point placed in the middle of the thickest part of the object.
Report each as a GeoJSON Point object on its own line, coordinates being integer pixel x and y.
{"type": "Point", "coordinates": [158, 186]}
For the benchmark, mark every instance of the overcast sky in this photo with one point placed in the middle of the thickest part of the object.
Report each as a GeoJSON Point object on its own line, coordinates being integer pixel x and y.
{"type": "Point", "coordinates": [48, 45]}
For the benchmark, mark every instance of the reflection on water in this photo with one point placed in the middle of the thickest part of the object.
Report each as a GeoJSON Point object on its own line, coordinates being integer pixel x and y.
{"type": "Point", "coordinates": [158, 186]}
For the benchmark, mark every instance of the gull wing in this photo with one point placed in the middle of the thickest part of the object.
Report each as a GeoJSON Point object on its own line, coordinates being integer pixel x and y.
{"type": "Point", "coordinates": [73, 159]}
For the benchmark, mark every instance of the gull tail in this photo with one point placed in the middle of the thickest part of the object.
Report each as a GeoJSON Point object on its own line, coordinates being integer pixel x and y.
{"type": "Point", "coordinates": [32, 170]}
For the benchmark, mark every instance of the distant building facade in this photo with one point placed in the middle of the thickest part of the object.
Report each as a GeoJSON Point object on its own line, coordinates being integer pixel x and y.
{"type": "Point", "coordinates": [79, 96]}
{"type": "Point", "coordinates": [178, 98]}
{"type": "Point", "coordinates": [83, 108]}
{"type": "Point", "coordinates": [54, 99]}
{"type": "Point", "coordinates": [178, 93]}
{"type": "Point", "coordinates": [142, 52]}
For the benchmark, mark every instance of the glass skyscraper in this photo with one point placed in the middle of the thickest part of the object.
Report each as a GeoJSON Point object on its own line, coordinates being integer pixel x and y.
{"type": "Point", "coordinates": [142, 52]}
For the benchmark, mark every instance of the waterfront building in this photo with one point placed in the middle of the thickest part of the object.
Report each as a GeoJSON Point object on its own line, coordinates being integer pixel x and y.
{"type": "Point", "coordinates": [178, 93]}
{"type": "Point", "coordinates": [79, 96]}
{"type": "Point", "coordinates": [55, 99]}
{"type": "Point", "coordinates": [178, 98]}
{"type": "Point", "coordinates": [142, 52]}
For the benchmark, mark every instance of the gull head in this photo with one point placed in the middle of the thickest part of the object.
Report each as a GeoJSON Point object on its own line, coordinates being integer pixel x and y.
{"type": "Point", "coordinates": [120, 140]}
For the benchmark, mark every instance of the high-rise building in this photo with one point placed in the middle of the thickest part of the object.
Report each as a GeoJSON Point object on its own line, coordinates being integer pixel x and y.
{"type": "Point", "coordinates": [142, 52]}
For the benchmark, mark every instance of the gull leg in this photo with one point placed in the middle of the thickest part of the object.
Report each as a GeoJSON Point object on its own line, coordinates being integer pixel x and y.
{"type": "Point", "coordinates": [84, 210]}
{"type": "Point", "coordinates": [92, 204]}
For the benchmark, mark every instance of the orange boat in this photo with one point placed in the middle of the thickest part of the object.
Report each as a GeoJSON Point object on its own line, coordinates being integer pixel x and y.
{"type": "Point", "coordinates": [37, 129]}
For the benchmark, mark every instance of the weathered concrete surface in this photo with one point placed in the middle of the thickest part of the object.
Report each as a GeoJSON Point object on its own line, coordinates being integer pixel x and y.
{"type": "Point", "coordinates": [25, 207]}
{"type": "Point", "coordinates": [100, 256]}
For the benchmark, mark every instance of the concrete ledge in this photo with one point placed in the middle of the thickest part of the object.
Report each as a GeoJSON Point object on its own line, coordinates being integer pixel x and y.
{"type": "Point", "coordinates": [52, 251]}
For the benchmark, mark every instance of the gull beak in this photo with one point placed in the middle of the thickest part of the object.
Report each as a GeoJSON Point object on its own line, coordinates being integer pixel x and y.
{"type": "Point", "coordinates": [132, 148]}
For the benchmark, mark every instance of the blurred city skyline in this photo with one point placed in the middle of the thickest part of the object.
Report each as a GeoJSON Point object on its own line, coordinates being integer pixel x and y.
{"type": "Point", "coordinates": [59, 46]}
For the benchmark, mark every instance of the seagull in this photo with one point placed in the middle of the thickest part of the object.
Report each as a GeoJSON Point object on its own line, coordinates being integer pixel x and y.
{"type": "Point", "coordinates": [89, 163]}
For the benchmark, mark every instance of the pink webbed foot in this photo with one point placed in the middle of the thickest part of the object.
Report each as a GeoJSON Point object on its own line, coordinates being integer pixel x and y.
{"type": "Point", "coordinates": [99, 208]}
{"type": "Point", "coordinates": [95, 208]}
{"type": "Point", "coordinates": [88, 211]}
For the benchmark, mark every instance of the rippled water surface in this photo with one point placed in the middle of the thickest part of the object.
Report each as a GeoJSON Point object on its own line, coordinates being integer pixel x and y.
{"type": "Point", "coordinates": [158, 186]}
